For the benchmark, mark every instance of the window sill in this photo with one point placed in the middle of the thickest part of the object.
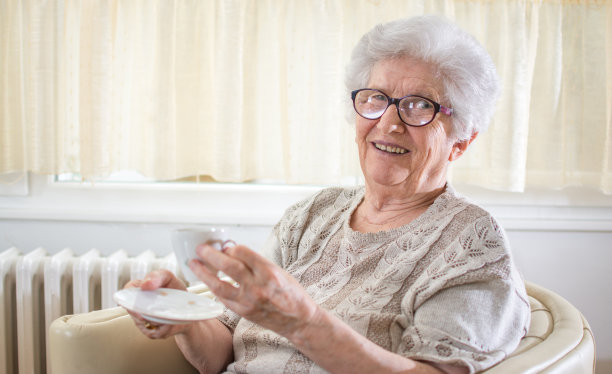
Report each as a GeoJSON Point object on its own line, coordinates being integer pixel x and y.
{"type": "Point", "coordinates": [263, 205]}
{"type": "Point", "coordinates": [204, 203]}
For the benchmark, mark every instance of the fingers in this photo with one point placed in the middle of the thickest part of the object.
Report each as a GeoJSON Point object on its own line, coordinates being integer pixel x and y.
{"type": "Point", "coordinates": [266, 294]}
{"type": "Point", "coordinates": [215, 260]}
{"type": "Point", "coordinates": [251, 271]}
{"type": "Point", "coordinates": [218, 287]}
{"type": "Point", "coordinates": [256, 262]}
{"type": "Point", "coordinates": [161, 278]}
{"type": "Point", "coordinates": [237, 261]}
{"type": "Point", "coordinates": [203, 250]}
{"type": "Point", "coordinates": [134, 283]}
{"type": "Point", "coordinates": [155, 330]}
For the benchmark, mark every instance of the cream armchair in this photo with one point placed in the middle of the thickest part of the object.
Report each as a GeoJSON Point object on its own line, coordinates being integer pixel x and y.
{"type": "Point", "coordinates": [106, 341]}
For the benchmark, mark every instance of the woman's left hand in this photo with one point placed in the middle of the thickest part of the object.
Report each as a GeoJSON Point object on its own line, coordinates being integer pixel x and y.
{"type": "Point", "coordinates": [266, 294]}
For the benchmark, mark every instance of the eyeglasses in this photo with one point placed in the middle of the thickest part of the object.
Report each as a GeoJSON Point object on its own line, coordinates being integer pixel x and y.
{"type": "Point", "coordinates": [412, 110]}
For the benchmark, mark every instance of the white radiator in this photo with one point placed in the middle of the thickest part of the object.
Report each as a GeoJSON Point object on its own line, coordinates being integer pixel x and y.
{"type": "Point", "coordinates": [36, 288]}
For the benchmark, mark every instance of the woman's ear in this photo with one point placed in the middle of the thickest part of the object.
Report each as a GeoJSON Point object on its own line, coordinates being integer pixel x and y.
{"type": "Point", "coordinates": [460, 146]}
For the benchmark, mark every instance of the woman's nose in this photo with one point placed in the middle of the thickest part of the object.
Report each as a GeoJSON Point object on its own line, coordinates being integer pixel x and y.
{"type": "Point", "coordinates": [390, 121]}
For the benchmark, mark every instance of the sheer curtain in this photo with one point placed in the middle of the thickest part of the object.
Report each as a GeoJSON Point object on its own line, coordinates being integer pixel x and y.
{"type": "Point", "coordinates": [242, 90]}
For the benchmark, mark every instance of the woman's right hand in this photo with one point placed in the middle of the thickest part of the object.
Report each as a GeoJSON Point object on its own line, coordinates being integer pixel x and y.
{"type": "Point", "coordinates": [157, 279]}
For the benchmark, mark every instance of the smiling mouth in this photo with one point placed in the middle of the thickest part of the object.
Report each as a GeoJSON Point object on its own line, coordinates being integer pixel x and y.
{"type": "Point", "coordinates": [390, 149]}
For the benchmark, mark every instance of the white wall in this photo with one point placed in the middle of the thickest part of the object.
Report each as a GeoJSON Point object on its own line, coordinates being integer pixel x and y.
{"type": "Point", "coordinates": [576, 265]}
{"type": "Point", "coordinates": [561, 240]}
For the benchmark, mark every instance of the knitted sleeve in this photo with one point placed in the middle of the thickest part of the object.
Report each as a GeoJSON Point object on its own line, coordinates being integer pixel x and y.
{"type": "Point", "coordinates": [472, 308]}
{"type": "Point", "coordinates": [475, 325]}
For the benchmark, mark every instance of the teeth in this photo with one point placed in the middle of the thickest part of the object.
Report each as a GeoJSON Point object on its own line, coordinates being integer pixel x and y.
{"type": "Point", "coordinates": [390, 149]}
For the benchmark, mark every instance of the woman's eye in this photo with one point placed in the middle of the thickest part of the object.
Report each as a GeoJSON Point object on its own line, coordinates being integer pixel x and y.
{"type": "Point", "coordinates": [376, 98]}
{"type": "Point", "coordinates": [422, 104]}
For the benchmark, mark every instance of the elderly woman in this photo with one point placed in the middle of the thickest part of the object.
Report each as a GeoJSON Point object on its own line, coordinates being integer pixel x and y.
{"type": "Point", "coordinates": [399, 275]}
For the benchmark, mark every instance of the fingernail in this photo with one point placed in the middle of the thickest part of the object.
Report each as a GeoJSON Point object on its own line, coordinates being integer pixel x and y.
{"type": "Point", "coordinates": [228, 244]}
{"type": "Point", "coordinates": [193, 262]}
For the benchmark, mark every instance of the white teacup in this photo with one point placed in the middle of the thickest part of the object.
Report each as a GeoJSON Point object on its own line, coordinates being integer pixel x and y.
{"type": "Point", "coordinates": [185, 242]}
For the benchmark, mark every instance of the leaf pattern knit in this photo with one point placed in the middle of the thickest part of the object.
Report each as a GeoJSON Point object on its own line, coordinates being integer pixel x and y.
{"type": "Point", "coordinates": [442, 288]}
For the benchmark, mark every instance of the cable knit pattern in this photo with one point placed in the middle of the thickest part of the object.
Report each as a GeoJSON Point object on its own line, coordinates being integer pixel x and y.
{"type": "Point", "coordinates": [442, 288]}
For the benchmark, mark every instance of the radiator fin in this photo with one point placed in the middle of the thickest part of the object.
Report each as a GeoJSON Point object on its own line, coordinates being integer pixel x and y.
{"type": "Point", "coordinates": [8, 315]}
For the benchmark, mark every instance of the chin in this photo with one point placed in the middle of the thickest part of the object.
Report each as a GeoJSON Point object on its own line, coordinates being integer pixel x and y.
{"type": "Point", "coordinates": [387, 178]}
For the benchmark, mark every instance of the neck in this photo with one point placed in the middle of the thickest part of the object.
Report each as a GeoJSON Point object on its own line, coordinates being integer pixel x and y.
{"type": "Point", "coordinates": [387, 207]}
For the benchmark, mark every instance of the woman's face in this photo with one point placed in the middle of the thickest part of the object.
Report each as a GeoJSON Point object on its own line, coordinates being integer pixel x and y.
{"type": "Point", "coordinates": [393, 153]}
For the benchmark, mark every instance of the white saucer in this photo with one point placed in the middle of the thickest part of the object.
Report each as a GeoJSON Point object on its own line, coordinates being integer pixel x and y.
{"type": "Point", "coordinates": [168, 306]}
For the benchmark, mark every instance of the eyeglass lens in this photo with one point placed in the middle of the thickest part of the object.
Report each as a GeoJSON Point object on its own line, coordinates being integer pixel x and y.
{"type": "Point", "coordinates": [413, 110]}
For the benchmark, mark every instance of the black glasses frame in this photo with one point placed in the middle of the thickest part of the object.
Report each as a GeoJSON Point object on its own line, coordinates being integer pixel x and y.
{"type": "Point", "coordinates": [392, 100]}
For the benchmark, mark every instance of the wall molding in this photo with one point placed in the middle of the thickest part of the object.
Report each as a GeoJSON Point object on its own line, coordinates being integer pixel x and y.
{"type": "Point", "coordinates": [241, 204]}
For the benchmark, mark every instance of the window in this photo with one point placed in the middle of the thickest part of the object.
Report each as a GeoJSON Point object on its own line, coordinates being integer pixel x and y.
{"type": "Point", "coordinates": [228, 90]}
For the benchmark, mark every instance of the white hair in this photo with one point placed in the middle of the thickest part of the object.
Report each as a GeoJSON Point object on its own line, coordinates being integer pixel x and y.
{"type": "Point", "coordinates": [469, 79]}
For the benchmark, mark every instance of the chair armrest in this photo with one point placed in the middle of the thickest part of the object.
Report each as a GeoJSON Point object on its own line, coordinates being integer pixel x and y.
{"type": "Point", "coordinates": [559, 339]}
{"type": "Point", "coordinates": [107, 341]}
